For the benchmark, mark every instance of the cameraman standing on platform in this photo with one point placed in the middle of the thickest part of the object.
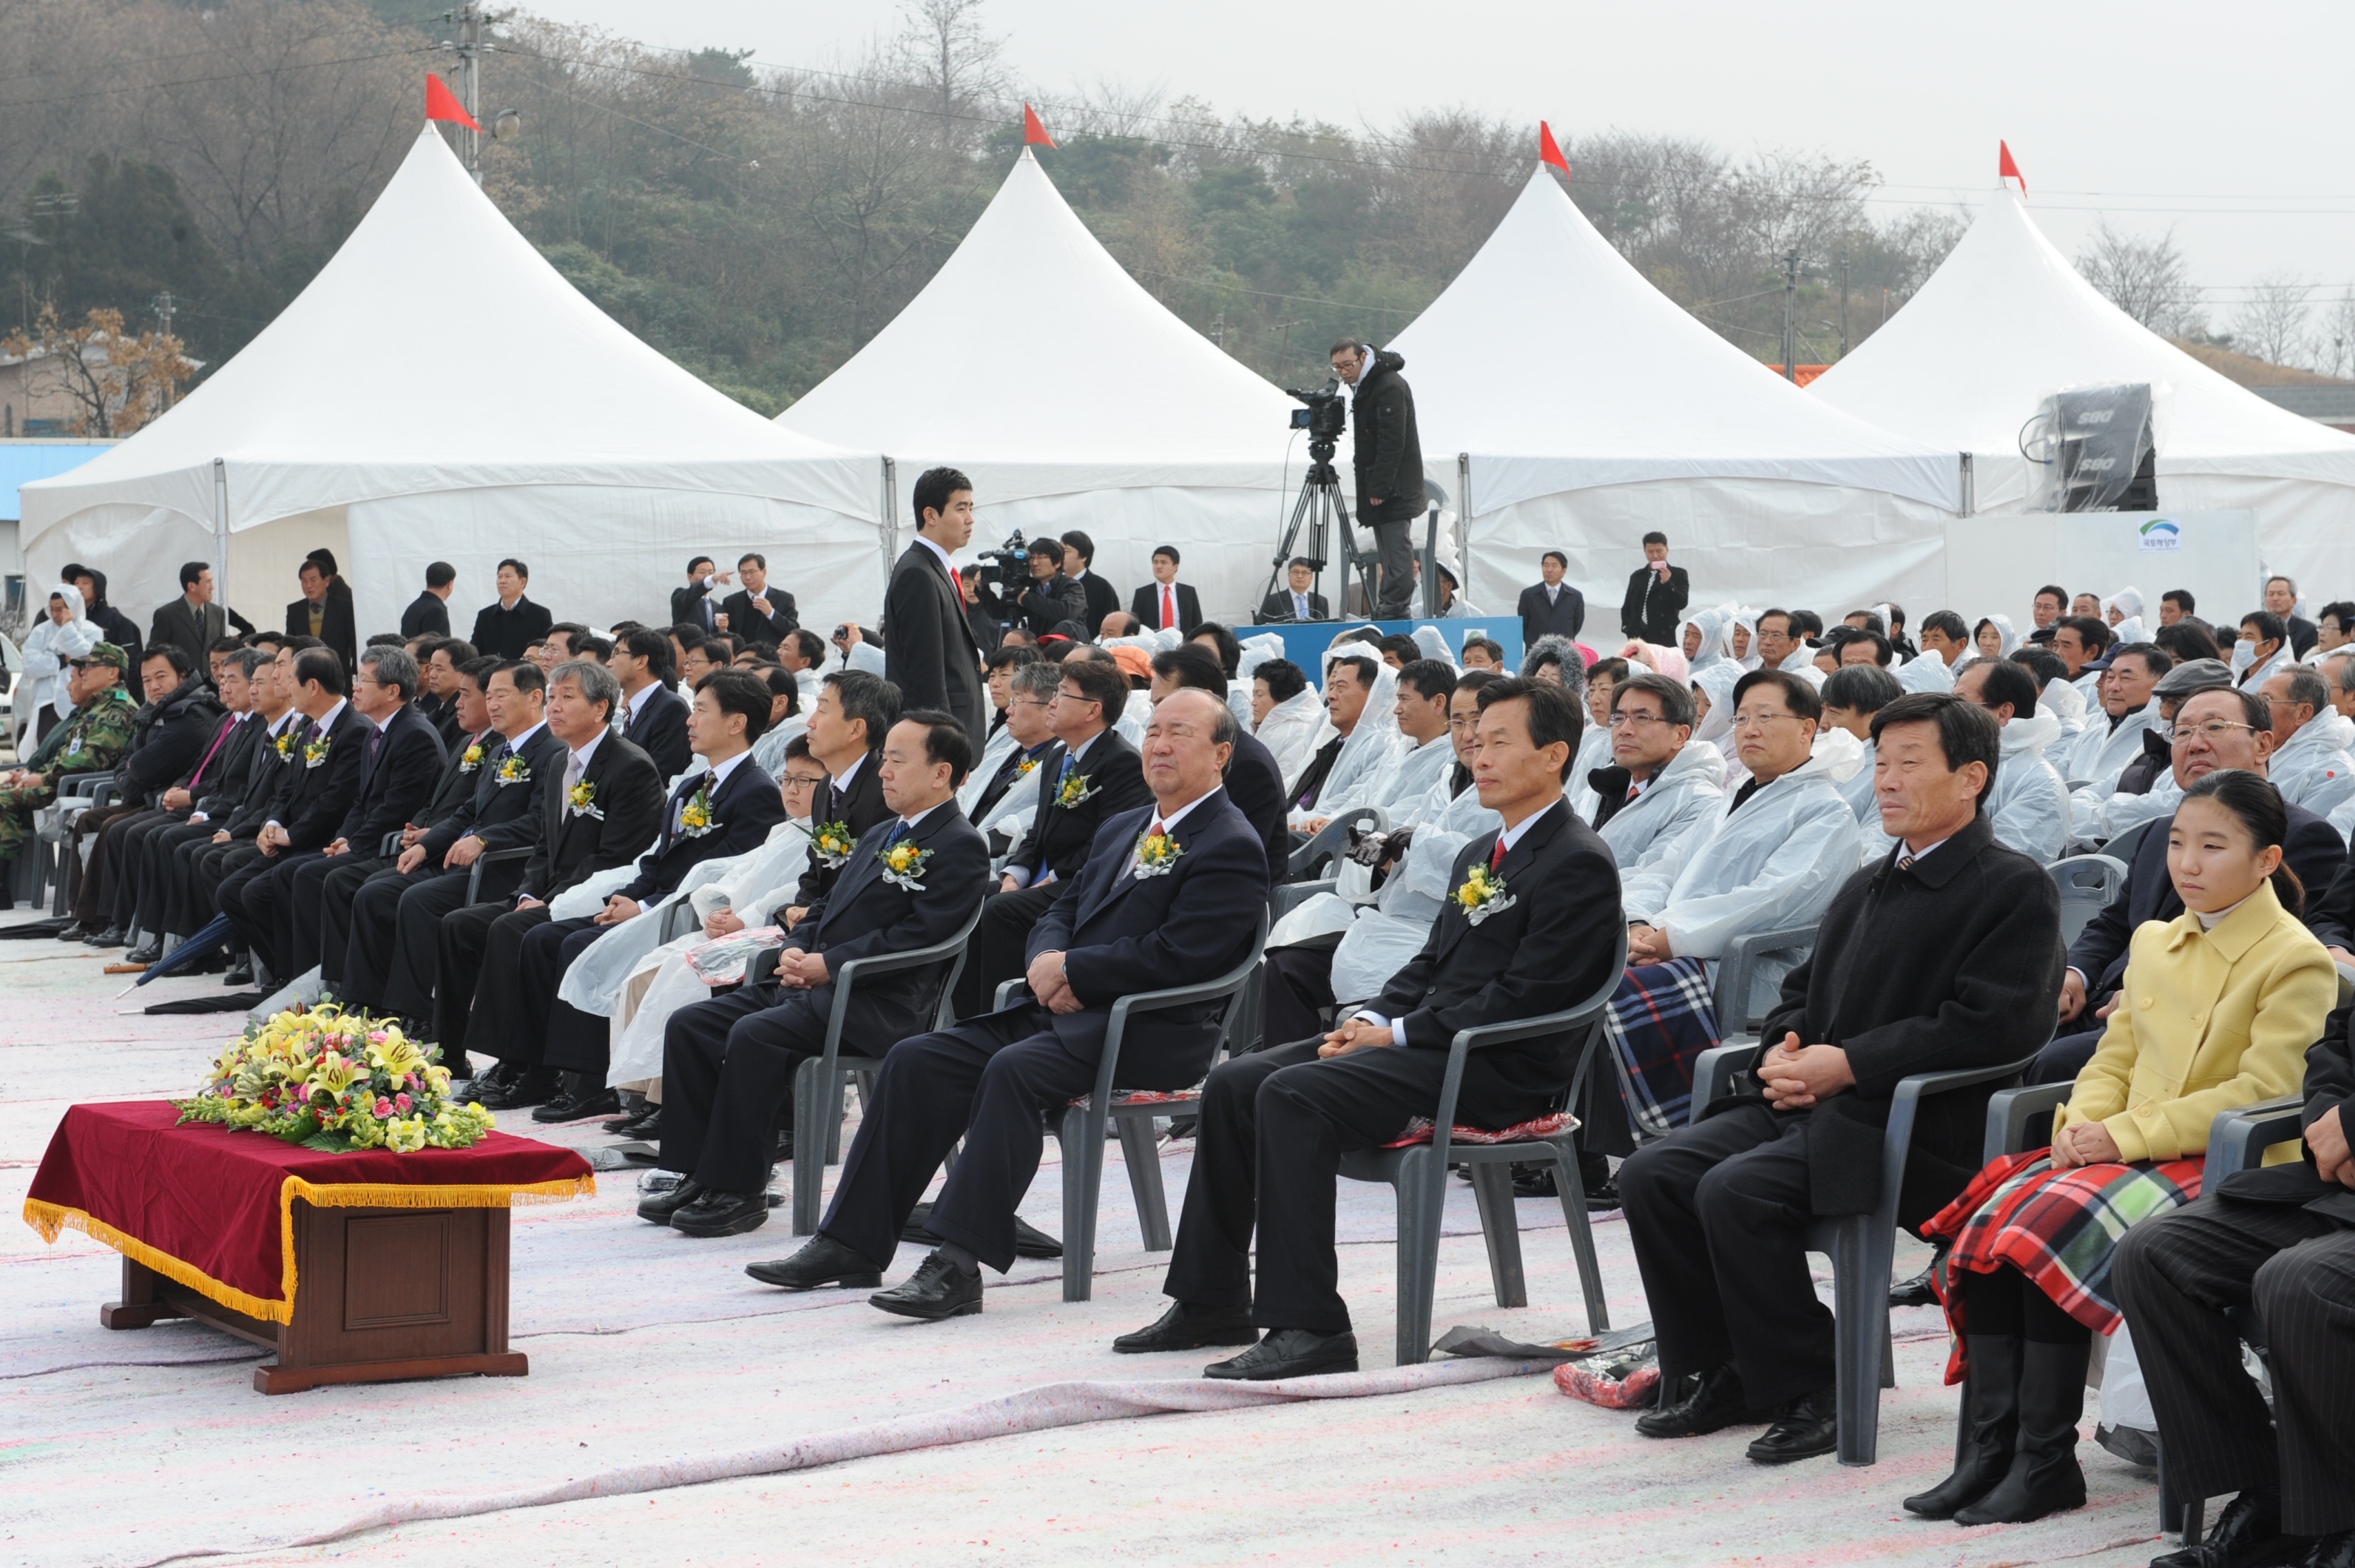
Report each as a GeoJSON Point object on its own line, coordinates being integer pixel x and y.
{"type": "Point", "coordinates": [1388, 457]}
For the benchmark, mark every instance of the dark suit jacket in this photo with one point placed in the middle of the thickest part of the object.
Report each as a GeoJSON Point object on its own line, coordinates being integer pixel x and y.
{"type": "Point", "coordinates": [427, 615]}
{"type": "Point", "coordinates": [1256, 784]}
{"type": "Point", "coordinates": [865, 915]}
{"type": "Point", "coordinates": [1146, 607]}
{"type": "Point", "coordinates": [191, 631]}
{"type": "Point", "coordinates": [505, 634]}
{"type": "Point", "coordinates": [2302, 635]}
{"type": "Point", "coordinates": [1121, 935]}
{"type": "Point", "coordinates": [2315, 851]}
{"type": "Point", "coordinates": [1658, 624]}
{"type": "Point", "coordinates": [2329, 1086]}
{"type": "Point", "coordinates": [858, 808]}
{"type": "Point", "coordinates": [660, 732]}
{"type": "Point", "coordinates": [628, 801]}
{"type": "Point", "coordinates": [1059, 834]}
{"type": "Point", "coordinates": [338, 628]}
{"type": "Point", "coordinates": [312, 798]}
{"type": "Point", "coordinates": [396, 786]}
{"type": "Point", "coordinates": [504, 814]}
{"type": "Point", "coordinates": [454, 793]}
{"type": "Point", "coordinates": [1549, 949]}
{"type": "Point", "coordinates": [217, 778]}
{"type": "Point", "coordinates": [692, 606]}
{"type": "Point", "coordinates": [1102, 598]}
{"type": "Point", "coordinates": [1562, 616]}
{"type": "Point", "coordinates": [242, 812]}
{"type": "Point", "coordinates": [1954, 963]}
{"type": "Point", "coordinates": [1278, 606]}
{"type": "Point", "coordinates": [748, 624]}
{"type": "Point", "coordinates": [743, 808]}
{"type": "Point", "coordinates": [1047, 606]}
{"type": "Point", "coordinates": [928, 644]}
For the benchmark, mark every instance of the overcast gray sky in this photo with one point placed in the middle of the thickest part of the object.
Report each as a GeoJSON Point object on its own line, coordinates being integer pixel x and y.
{"type": "Point", "coordinates": [2229, 121]}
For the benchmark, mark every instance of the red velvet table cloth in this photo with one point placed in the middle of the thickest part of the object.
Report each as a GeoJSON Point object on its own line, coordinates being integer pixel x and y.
{"type": "Point", "coordinates": [212, 1209]}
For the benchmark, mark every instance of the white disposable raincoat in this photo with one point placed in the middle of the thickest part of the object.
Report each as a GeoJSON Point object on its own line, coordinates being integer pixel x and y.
{"type": "Point", "coordinates": [46, 648]}
{"type": "Point", "coordinates": [2315, 769]}
{"type": "Point", "coordinates": [1714, 623]}
{"type": "Point", "coordinates": [1293, 730]}
{"type": "Point", "coordinates": [2029, 805]}
{"type": "Point", "coordinates": [1688, 792]}
{"type": "Point", "coordinates": [1384, 937]}
{"type": "Point", "coordinates": [2099, 753]}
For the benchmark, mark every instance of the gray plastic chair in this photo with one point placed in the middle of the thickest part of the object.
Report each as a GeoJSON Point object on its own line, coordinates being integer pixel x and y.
{"type": "Point", "coordinates": [1081, 1127]}
{"type": "Point", "coordinates": [73, 794]}
{"type": "Point", "coordinates": [1330, 842]}
{"type": "Point", "coordinates": [492, 858]}
{"type": "Point", "coordinates": [1862, 1247]}
{"type": "Point", "coordinates": [818, 1081]}
{"type": "Point", "coordinates": [1737, 972]}
{"type": "Point", "coordinates": [2122, 848]}
{"type": "Point", "coordinates": [1419, 1174]}
{"type": "Point", "coordinates": [2089, 884]}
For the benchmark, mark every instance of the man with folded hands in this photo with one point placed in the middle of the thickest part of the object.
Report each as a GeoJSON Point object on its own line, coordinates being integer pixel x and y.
{"type": "Point", "coordinates": [728, 1063]}
{"type": "Point", "coordinates": [1529, 929]}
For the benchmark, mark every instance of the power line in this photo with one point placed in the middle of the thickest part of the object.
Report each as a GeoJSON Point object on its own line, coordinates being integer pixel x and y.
{"type": "Point", "coordinates": [201, 81]}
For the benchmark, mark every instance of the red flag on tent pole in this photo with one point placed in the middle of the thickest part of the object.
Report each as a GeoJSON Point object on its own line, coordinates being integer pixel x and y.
{"type": "Point", "coordinates": [441, 103]}
{"type": "Point", "coordinates": [1549, 150]}
{"type": "Point", "coordinates": [2007, 167]}
{"type": "Point", "coordinates": [1034, 134]}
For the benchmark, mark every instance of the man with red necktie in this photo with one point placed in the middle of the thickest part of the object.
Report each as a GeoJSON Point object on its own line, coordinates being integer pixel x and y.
{"type": "Point", "coordinates": [1165, 601]}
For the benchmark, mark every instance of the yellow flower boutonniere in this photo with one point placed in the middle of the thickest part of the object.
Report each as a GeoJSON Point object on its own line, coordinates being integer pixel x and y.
{"type": "Point", "coordinates": [514, 770]}
{"type": "Point", "coordinates": [316, 751]}
{"type": "Point", "coordinates": [832, 843]}
{"type": "Point", "coordinates": [1157, 855]}
{"type": "Point", "coordinates": [471, 759]}
{"type": "Point", "coordinates": [1482, 895]}
{"type": "Point", "coordinates": [583, 799]}
{"type": "Point", "coordinates": [1075, 790]}
{"type": "Point", "coordinates": [903, 866]}
{"type": "Point", "coordinates": [285, 744]}
{"type": "Point", "coordinates": [695, 817]}
{"type": "Point", "coordinates": [1026, 767]}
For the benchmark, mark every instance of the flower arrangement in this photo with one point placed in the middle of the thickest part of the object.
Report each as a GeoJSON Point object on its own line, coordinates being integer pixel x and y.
{"type": "Point", "coordinates": [285, 744]}
{"type": "Point", "coordinates": [903, 866]}
{"type": "Point", "coordinates": [832, 842]}
{"type": "Point", "coordinates": [514, 770]}
{"type": "Point", "coordinates": [1483, 894]}
{"type": "Point", "coordinates": [334, 1080]}
{"type": "Point", "coordinates": [1075, 789]}
{"type": "Point", "coordinates": [316, 751]}
{"type": "Point", "coordinates": [1026, 767]}
{"type": "Point", "coordinates": [695, 817]}
{"type": "Point", "coordinates": [471, 759]}
{"type": "Point", "coordinates": [582, 798]}
{"type": "Point", "coordinates": [1156, 854]}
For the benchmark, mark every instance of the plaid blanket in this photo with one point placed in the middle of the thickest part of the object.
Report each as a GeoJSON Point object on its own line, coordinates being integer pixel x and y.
{"type": "Point", "coordinates": [2060, 1228]}
{"type": "Point", "coordinates": [1659, 1022]}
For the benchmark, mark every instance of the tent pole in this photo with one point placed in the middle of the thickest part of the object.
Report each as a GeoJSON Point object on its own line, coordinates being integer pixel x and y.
{"type": "Point", "coordinates": [1463, 520]}
{"type": "Point", "coordinates": [1970, 486]}
{"type": "Point", "coordinates": [891, 516]}
{"type": "Point", "coordinates": [220, 533]}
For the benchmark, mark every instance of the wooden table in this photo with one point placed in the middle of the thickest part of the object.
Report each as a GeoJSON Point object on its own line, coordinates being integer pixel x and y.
{"type": "Point", "coordinates": [387, 1293]}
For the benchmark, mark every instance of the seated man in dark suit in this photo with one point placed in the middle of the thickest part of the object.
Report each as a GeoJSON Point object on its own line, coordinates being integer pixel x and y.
{"type": "Point", "coordinates": [1254, 782]}
{"type": "Point", "coordinates": [1276, 1124]}
{"type": "Point", "coordinates": [725, 812]}
{"type": "Point", "coordinates": [2213, 729]}
{"type": "Point", "coordinates": [654, 717]}
{"type": "Point", "coordinates": [1096, 778]}
{"type": "Point", "coordinates": [1551, 608]}
{"type": "Point", "coordinates": [1165, 601]}
{"type": "Point", "coordinates": [854, 709]}
{"type": "Point", "coordinates": [2280, 1239]}
{"type": "Point", "coordinates": [728, 1063]}
{"type": "Point", "coordinates": [1944, 957]}
{"type": "Point", "coordinates": [1295, 601]}
{"type": "Point", "coordinates": [1166, 899]}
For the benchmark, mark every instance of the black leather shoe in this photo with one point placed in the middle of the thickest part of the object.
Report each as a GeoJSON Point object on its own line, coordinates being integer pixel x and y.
{"type": "Point", "coordinates": [1804, 1428]}
{"type": "Point", "coordinates": [714, 1214]}
{"type": "Point", "coordinates": [1716, 1402]}
{"type": "Point", "coordinates": [2247, 1535]}
{"type": "Point", "coordinates": [1290, 1353]}
{"type": "Point", "coordinates": [645, 1127]}
{"type": "Point", "coordinates": [1187, 1327]}
{"type": "Point", "coordinates": [823, 1262]}
{"type": "Point", "coordinates": [531, 1086]}
{"type": "Point", "coordinates": [498, 1075]}
{"type": "Point", "coordinates": [1029, 1241]}
{"type": "Point", "coordinates": [657, 1208]}
{"type": "Point", "coordinates": [113, 936]}
{"type": "Point", "coordinates": [145, 953]}
{"type": "Point", "coordinates": [578, 1107]}
{"type": "Point", "coordinates": [75, 931]}
{"type": "Point", "coordinates": [241, 976]}
{"type": "Point", "coordinates": [2330, 1552]}
{"type": "Point", "coordinates": [634, 1105]}
{"type": "Point", "coordinates": [937, 1290]}
{"type": "Point", "coordinates": [1919, 1291]}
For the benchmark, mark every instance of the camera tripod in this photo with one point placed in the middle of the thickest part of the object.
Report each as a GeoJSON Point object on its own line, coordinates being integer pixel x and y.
{"type": "Point", "coordinates": [1320, 503]}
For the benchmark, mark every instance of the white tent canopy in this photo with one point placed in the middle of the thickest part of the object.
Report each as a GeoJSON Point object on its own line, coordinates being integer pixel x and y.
{"type": "Point", "coordinates": [1594, 409]}
{"type": "Point", "coordinates": [441, 392]}
{"type": "Point", "coordinates": [2006, 320]}
{"type": "Point", "coordinates": [1034, 363]}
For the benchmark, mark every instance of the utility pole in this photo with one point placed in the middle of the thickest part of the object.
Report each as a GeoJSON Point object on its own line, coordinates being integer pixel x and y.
{"type": "Point", "coordinates": [1843, 271]}
{"type": "Point", "coordinates": [468, 18]}
{"type": "Point", "coordinates": [165, 306]}
{"type": "Point", "coordinates": [1790, 296]}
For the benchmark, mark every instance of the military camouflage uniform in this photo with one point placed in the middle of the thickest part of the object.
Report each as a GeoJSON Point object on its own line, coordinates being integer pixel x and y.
{"type": "Point", "coordinates": [90, 741]}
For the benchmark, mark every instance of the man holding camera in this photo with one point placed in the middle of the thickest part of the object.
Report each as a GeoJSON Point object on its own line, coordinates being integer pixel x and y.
{"type": "Point", "coordinates": [1388, 457]}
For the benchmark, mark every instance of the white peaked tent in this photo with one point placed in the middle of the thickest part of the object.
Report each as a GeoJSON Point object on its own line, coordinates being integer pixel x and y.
{"type": "Point", "coordinates": [440, 393]}
{"type": "Point", "coordinates": [2006, 320]}
{"type": "Point", "coordinates": [1593, 409]}
{"type": "Point", "coordinates": [1073, 400]}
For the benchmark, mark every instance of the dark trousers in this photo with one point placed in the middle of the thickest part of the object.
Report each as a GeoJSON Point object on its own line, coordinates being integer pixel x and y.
{"type": "Point", "coordinates": [2177, 1277]}
{"type": "Point", "coordinates": [339, 884]}
{"type": "Point", "coordinates": [89, 874]}
{"type": "Point", "coordinates": [303, 923]}
{"type": "Point", "coordinates": [200, 868]}
{"type": "Point", "coordinates": [1394, 543]}
{"type": "Point", "coordinates": [162, 868]}
{"type": "Point", "coordinates": [1298, 997]}
{"type": "Point", "coordinates": [1718, 1216]}
{"type": "Point", "coordinates": [1268, 1153]}
{"type": "Point", "coordinates": [263, 907]}
{"type": "Point", "coordinates": [989, 1081]}
{"type": "Point", "coordinates": [727, 1070]}
{"type": "Point", "coordinates": [412, 981]}
{"type": "Point", "coordinates": [473, 942]}
{"type": "Point", "coordinates": [999, 950]}
{"type": "Point", "coordinates": [245, 872]}
{"type": "Point", "coordinates": [127, 863]}
{"type": "Point", "coordinates": [569, 1039]}
{"type": "Point", "coordinates": [371, 939]}
{"type": "Point", "coordinates": [2065, 1056]}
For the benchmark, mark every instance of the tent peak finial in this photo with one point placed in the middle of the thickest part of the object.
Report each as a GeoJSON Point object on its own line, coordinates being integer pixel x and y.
{"type": "Point", "coordinates": [2007, 167]}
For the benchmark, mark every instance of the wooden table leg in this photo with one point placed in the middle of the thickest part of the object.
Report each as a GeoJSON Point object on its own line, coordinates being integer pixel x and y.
{"type": "Point", "coordinates": [141, 1306]}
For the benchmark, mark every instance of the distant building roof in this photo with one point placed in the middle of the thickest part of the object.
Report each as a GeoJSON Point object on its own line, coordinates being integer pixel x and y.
{"type": "Point", "coordinates": [2330, 405]}
{"type": "Point", "coordinates": [22, 461]}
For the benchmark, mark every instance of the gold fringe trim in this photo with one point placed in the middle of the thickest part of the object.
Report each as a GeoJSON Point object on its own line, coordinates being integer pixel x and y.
{"type": "Point", "coordinates": [52, 1218]}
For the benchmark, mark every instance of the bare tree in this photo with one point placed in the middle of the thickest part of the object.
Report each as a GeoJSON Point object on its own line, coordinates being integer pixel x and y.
{"type": "Point", "coordinates": [2271, 323]}
{"type": "Point", "coordinates": [2334, 340]}
{"type": "Point", "coordinates": [2148, 279]}
{"type": "Point", "coordinates": [945, 49]}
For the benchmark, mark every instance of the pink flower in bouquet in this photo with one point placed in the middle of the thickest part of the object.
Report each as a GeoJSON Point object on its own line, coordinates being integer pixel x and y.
{"type": "Point", "coordinates": [383, 1109]}
{"type": "Point", "coordinates": [402, 1100]}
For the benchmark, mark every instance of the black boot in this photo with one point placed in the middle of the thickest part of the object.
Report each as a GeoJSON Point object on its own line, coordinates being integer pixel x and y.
{"type": "Point", "coordinates": [1990, 1428]}
{"type": "Point", "coordinates": [2044, 1478]}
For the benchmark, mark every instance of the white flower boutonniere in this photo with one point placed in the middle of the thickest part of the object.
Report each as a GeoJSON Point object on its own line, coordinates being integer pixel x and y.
{"type": "Point", "coordinates": [1482, 895]}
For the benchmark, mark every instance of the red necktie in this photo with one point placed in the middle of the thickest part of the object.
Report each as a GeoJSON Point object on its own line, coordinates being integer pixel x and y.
{"type": "Point", "coordinates": [1497, 859]}
{"type": "Point", "coordinates": [1168, 607]}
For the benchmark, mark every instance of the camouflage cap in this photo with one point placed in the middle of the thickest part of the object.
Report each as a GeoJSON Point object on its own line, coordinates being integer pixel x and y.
{"type": "Point", "coordinates": [107, 654]}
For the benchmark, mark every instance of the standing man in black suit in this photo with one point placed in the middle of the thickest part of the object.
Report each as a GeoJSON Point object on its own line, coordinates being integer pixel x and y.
{"type": "Point", "coordinates": [928, 644]}
{"type": "Point", "coordinates": [1276, 1124]}
{"type": "Point", "coordinates": [692, 605]}
{"type": "Point", "coordinates": [654, 716]}
{"type": "Point", "coordinates": [1164, 900]}
{"type": "Point", "coordinates": [1079, 564]}
{"type": "Point", "coordinates": [1097, 776]}
{"type": "Point", "coordinates": [1165, 601]}
{"type": "Point", "coordinates": [505, 629]}
{"type": "Point", "coordinates": [1295, 601]}
{"type": "Point", "coordinates": [1254, 780]}
{"type": "Point", "coordinates": [2220, 728]}
{"type": "Point", "coordinates": [428, 614]}
{"type": "Point", "coordinates": [1657, 593]}
{"type": "Point", "coordinates": [402, 761]}
{"type": "Point", "coordinates": [2280, 1239]}
{"type": "Point", "coordinates": [598, 810]}
{"type": "Point", "coordinates": [725, 812]}
{"type": "Point", "coordinates": [192, 621]}
{"type": "Point", "coordinates": [325, 611]}
{"type": "Point", "coordinates": [1551, 608]}
{"type": "Point", "coordinates": [756, 612]}
{"type": "Point", "coordinates": [728, 1063]}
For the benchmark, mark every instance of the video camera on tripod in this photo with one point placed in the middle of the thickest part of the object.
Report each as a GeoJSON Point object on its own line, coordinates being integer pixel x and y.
{"type": "Point", "coordinates": [1011, 559]}
{"type": "Point", "coordinates": [1320, 506]}
{"type": "Point", "coordinates": [1325, 418]}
